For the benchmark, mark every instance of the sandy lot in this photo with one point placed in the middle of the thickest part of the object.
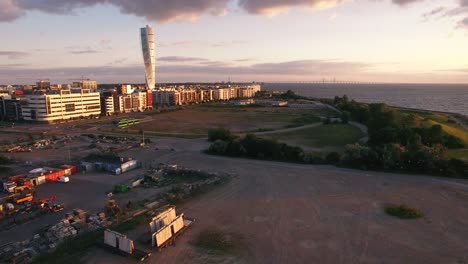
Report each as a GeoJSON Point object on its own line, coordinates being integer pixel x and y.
{"type": "Point", "coordinates": [292, 213]}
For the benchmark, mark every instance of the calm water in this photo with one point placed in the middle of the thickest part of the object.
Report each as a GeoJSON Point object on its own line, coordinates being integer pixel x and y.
{"type": "Point", "coordinates": [438, 97]}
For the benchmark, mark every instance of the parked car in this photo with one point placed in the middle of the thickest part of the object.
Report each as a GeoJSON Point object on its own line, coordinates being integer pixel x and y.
{"type": "Point", "coordinates": [63, 179]}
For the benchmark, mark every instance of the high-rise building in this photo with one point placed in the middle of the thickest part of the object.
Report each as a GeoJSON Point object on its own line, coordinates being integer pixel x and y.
{"type": "Point", "coordinates": [149, 55]}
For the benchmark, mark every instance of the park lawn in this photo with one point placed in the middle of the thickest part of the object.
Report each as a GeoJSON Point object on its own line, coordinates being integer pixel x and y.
{"type": "Point", "coordinates": [430, 119]}
{"type": "Point", "coordinates": [329, 137]}
{"type": "Point", "coordinates": [199, 119]}
{"type": "Point", "coordinates": [459, 154]}
{"type": "Point", "coordinates": [453, 130]}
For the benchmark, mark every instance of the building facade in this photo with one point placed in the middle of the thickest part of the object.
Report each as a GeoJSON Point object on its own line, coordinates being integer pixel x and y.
{"type": "Point", "coordinates": [10, 108]}
{"type": "Point", "coordinates": [149, 55]}
{"type": "Point", "coordinates": [85, 84]}
{"type": "Point", "coordinates": [62, 105]}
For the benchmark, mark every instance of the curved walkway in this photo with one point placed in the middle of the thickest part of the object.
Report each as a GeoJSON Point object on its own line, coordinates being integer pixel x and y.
{"type": "Point", "coordinates": [285, 130]}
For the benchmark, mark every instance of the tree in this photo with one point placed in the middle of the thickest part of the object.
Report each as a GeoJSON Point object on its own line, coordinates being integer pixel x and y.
{"type": "Point", "coordinates": [345, 117]}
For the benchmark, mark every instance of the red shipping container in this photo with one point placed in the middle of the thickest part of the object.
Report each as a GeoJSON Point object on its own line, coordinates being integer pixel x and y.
{"type": "Point", "coordinates": [53, 175]}
{"type": "Point", "coordinates": [73, 169]}
{"type": "Point", "coordinates": [18, 178]}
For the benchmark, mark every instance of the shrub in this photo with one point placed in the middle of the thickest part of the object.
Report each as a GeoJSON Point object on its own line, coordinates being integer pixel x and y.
{"type": "Point", "coordinates": [403, 211]}
{"type": "Point", "coordinates": [333, 158]}
{"type": "Point", "coordinates": [220, 134]}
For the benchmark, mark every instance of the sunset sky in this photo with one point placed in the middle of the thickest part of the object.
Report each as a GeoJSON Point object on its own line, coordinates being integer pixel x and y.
{"type": "Point", "coordinates": [420, 41]}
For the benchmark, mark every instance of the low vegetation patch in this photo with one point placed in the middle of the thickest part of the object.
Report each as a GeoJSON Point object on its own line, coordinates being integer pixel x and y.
{"type": "Point", "coordinates": [304, 119]}
{"type": "Point", "coordinates": [403, 211]}
{"type": "Point", "coordinates": [72, 249]}
{"type": "Point", "coordinates": [219, 134]}
{"type": "Point", "coordinates": [220, 243]}
{"type": "Point", "coordinates": [332, 135]}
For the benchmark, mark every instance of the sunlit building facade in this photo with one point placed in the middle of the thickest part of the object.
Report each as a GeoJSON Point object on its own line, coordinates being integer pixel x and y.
{"type": "Point", "coordinates": [149, 55]}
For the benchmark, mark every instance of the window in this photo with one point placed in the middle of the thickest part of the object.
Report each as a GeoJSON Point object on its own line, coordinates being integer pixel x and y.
{"type": "Point", "coordinates": [70, 107]}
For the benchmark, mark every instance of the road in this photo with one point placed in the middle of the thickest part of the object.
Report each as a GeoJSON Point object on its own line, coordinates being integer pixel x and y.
{"type": "Point", "coordinates": [292, 213]}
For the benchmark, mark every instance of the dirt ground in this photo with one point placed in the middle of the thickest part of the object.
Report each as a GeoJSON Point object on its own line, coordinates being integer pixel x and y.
{"type": "Point", "coordinates": [291, 213]}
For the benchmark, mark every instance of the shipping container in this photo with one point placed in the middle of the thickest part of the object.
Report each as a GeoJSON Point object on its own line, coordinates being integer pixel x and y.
{"type": "Point", "coordinates": [117, 171]}
{"type": "Point", "coordinates": [41, 180]}
{"type": "Point", "coordinates": [129, 164]}
{"type": "Point", "coordinates": [87, 166]}
{"type": "Point", "coordinates": [18, 178]}
{"type": "Point", "coordinates": [73, 169]}
{"type": "Point", "coordinates": [53, 175]}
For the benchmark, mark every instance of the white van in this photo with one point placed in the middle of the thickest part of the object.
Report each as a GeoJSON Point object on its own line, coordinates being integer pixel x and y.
{"type": "Point", "coordinates": [63, 179]}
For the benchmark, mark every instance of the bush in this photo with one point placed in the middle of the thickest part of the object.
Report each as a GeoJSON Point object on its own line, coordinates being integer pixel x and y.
{"type": "Point", "coordinates": [403, 211]}
{"type": "Point", "coordinates": [220, 134]}
{"type": "Point", "coordinates": [333, 158]}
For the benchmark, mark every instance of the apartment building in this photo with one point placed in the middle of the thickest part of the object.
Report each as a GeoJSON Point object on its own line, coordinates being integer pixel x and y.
{"type": "Point", "coordinates": [10, 108]}
{"type": "Point", "coordinates": [61, 105]}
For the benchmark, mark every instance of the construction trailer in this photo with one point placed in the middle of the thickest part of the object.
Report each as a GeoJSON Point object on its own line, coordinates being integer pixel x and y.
{"type": "Point", "coordinates": [122, 245]}
{"type": "Point", "coordinates": [167, 226]}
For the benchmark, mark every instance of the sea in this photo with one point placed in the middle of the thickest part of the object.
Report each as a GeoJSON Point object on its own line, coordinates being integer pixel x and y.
{"type": "Point", "coordinates": [451, 98]}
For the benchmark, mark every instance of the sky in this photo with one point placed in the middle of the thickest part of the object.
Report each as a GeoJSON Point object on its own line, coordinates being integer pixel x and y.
{"type": "Point", "coordinates": [390, 41]}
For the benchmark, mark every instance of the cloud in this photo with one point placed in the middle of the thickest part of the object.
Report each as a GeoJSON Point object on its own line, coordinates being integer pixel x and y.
{"type": "Point", "coordinates": [463, 23]}
{"type": "Point", "coordinates": [228, 43]}
{"type": "Point", "coordinates": [13, 65]}
{"type": "Point", "coordinates": [9, 10]}
{"type": "Point", "coordinates": [81, 52]}
{"type": "Point", "coordinates": [164, 10]}
{"type": "Point", "coordinates": [209, 71]}
{"type": "Point", "coordinates": [405, 2]}
{"type": "Point", "coordinates": [244, 60]}
{"type": "Point", "coordinates": [180, 59]}
{"type": "Point", "coordinates": [439, 11]}
{"type": "Point", "coordinates": [304, 70]}
{"type": "Point", "coordinates": [13, 54]}
{"type": "Point", "coordinates": [459, 12]}
{"type": "Point", "coordinates": [273, 7]}
{"type": "Point", "coordinates": [156, 10]}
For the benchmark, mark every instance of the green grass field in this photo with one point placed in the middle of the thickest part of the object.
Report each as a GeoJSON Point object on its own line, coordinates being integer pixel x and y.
{"type": "Point", "coordinates": [429, 119]}
{"type": "Point", "coordinates": [459, 154]}
{"type": "Point", "coordinates": [333, 136]}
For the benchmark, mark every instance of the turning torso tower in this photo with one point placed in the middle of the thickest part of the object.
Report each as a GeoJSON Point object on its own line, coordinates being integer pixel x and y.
{"type": "Point", "coordinates": [149, 55]}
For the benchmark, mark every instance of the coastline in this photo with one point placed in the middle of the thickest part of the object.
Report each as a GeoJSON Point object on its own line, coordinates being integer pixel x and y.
{"type": "Point", "coordinates": [460, 118]}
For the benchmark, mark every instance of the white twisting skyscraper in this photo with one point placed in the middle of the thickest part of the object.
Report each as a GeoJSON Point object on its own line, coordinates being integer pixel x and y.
{"type": "Point", "coordinates": [149, 55]}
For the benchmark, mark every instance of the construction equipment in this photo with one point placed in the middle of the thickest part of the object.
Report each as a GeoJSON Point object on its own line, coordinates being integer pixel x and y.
{"type": "Point", "coordinates": [120, 188]}
{"type": "Point", "coordinates": [112, 208]}
{"type": "Point", "coordinates": [22, 194]}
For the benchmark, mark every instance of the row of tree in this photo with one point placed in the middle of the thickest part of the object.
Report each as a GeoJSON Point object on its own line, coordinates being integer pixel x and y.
{"type": "Point", "coordinates": [400, 142]}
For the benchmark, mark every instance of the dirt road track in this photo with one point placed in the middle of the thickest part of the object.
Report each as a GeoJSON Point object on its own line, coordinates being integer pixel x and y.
{"type": "Point", "coordinates": [292, 213]}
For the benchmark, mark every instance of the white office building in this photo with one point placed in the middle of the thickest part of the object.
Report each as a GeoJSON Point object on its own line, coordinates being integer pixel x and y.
{"type": "Point", "coordinates": [62, 105]}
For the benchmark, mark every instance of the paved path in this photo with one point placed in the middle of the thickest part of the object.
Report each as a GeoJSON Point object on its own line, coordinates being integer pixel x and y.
{"type": "Point", "coordinates": [287, 129]}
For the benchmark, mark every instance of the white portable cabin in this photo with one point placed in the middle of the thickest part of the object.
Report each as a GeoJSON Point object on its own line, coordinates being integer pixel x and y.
{"type": "Point", "coordinates": [118, 241]}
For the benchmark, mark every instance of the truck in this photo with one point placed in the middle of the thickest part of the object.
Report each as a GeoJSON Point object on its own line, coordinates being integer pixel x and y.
{"type": "Point", "coordinates": [9, 187]}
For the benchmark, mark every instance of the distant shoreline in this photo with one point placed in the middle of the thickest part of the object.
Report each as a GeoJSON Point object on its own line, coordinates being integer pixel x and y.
{"type": "Point", "coordinates": [461, 118]}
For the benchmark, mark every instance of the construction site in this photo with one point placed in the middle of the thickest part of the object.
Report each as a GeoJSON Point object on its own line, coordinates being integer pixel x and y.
{"type": "Point", "coordinates": [232, 210]}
